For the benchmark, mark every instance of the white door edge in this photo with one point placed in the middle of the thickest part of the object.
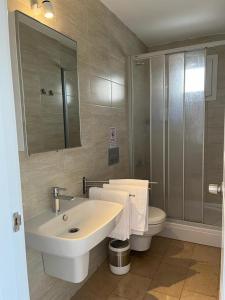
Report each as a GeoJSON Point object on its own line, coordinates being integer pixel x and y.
{"type": "Point", "coordinates": [13, 275]}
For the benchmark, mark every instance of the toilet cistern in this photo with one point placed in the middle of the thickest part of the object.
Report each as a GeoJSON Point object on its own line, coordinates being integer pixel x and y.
{"type": "Point", "coordinates": [57, 197]}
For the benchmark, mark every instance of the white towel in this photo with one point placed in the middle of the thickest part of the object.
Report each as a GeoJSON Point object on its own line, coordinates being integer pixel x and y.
{"type": "Point", "coordinates": [139, 205]}
{"type": "Point", "coordinates": [122, 228]}
{"type": "Point", "coordinates": [140, 182]}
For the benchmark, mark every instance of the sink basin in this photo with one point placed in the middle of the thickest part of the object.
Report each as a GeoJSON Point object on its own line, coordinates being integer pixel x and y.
{"type": "Point", "coordinates": [66, 239]}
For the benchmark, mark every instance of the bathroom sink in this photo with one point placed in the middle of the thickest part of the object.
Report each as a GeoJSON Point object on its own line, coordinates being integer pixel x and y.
{"type": "Point", "coordinates": [66, 239]}
{"type": "Point", "coordinates": [92, 221]}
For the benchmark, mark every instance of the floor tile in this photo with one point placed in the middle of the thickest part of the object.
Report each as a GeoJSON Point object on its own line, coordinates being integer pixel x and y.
{"type": "Point", "coordinates": [159, 245]}
{"type": "Point", "coordinates": [170, 270]}
{"type": "Point", "coordinates": [132, 287]}
{"type": "Point", "coordinates": [116, 298]}
{"type": "Point", "coordinates": [180, 249]}
{"type": "Point", "coordinates": [169, 280]}
{"type": "Point", "coordinates": [145, 265]}
{"type": "Point", "coordinates": [104, 267]}
{"type": "Point", "coordinates": [186, 295]}
{"type": "Point", "coordinates": [179, 253]}
{"type": "Point", "coordinates": [204, 280]}
{"type": "Point", "coordinates": [102, 283]}
{"type": "Point", "coordinates": [200, 267]}
{"type": "Point", "coordinates": [206, 254]}
{"type": "Point", "coordinates": [84, 294]}
{"type": "Point", "coordinates": [158, 296]}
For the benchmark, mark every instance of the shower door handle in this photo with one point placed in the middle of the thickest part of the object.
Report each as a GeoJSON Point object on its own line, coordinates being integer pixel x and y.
{"type": "Point", "coordinates": [215, 189]}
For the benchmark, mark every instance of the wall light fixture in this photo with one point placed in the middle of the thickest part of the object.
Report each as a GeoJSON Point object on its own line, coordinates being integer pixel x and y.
{"type": "Point", "coordinates": [46, 6]}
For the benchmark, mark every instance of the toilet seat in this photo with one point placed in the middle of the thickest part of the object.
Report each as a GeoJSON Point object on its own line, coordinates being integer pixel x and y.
{"type": "Point", "coordinates": [155, 215]}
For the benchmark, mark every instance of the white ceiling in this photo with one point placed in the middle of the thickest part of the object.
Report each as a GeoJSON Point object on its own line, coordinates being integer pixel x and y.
{"type": "Point", "coordinates": [161, 21]}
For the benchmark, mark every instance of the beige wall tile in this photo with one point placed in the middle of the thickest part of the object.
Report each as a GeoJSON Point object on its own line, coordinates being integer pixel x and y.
{"type": "Point", "coordinates": [100, 91]}
{"type": "Point", "coordinates": [100, 35]}
{"type": "Point", "coordinates": [117, 70]}
{"type": "Point", "coordinates": [99, 62]}
{"type": "Point", "coordinates": [118, 95]}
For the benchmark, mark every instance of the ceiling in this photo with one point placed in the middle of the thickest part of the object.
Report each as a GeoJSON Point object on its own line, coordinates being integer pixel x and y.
{"type": "Point", "coordinates": [160, 21]}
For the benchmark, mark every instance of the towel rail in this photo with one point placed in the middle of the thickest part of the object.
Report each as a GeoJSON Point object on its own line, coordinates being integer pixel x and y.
{"type": "Point", "coordinates": [96, 183]}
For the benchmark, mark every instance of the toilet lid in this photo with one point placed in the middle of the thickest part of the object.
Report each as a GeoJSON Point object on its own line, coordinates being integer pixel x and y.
{"type": "Point", "coordinates": [155, 215]}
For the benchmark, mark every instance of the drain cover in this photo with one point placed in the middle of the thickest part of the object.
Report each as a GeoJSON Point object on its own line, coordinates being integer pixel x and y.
{"type": "Point", "coordinates": [73, 230]}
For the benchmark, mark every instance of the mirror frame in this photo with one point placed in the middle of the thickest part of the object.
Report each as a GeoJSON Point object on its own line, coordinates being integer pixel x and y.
{"type": "Point", "coordinates": [15, 18]}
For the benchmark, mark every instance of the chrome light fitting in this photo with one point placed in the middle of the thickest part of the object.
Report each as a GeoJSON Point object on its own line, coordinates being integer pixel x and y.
{"type": "Point", "coordinates": [46, 6]}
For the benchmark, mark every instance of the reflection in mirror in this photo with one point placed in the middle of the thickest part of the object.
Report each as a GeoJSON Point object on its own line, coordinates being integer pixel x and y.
{"type": "Point", "coordinates": [49, 83]}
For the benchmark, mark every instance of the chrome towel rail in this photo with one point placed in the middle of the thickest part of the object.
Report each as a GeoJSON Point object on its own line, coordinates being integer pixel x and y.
{"type": "Point", "coordinates": [98, 183]}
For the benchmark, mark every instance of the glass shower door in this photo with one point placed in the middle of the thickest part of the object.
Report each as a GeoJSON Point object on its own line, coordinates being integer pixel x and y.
{"type": "Point", "coordinates": [177, 134]}
{"type": "Point", "coordinates": [194, 116]}
{"type": "Point", "coordinates": [214, 138]}
{"type": "Point", "coordinates": [157, 130]}
{"type": "Point", "coordinates": [177, 110]}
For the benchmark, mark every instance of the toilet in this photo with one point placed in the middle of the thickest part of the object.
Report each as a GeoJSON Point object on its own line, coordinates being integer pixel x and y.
{"type": "Point", "coordinates": [156, 221]}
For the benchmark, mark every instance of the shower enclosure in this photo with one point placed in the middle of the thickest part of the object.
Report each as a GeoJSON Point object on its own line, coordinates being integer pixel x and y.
{"type": "Point", "coordinates": [176, 130]}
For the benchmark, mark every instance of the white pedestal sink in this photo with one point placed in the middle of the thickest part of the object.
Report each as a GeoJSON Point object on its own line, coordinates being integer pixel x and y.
{"type": "Point", "coordinates": [66, 239]}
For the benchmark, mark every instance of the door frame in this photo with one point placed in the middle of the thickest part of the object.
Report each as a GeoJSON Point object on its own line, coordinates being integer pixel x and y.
{"type": "Point", "coordinates": [178, 49]}
{"type": "Point", "coordinates": [222, 272]}
{"type": "Point", "coordinates": [13, 275]}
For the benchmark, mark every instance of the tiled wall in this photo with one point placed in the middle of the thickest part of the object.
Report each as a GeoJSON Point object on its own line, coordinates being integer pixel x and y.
{"type": "Point", "coordinates": [103, 45]}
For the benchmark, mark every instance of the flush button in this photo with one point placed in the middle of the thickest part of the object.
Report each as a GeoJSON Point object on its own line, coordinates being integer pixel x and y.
{"type": "Point", "coordinates": [113, 156]}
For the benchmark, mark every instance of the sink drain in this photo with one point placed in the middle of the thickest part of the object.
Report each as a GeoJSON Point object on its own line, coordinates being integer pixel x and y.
{"type": "Point", "coordinates": [73, 230]}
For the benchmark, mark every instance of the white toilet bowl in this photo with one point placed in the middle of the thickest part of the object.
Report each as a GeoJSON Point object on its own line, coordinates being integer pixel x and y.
{"type": "Point", "coordinates": [156, 221]}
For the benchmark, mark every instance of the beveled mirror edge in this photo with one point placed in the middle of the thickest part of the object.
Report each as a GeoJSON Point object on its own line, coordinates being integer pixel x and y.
{"type": "Point", "coordinates": [17, 84]}
{"type": "Point", "coordinates": [37, 25]}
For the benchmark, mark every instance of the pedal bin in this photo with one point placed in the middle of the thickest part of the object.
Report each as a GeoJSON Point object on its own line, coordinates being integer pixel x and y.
{"type": "Point", "coordinates": [119, 257]}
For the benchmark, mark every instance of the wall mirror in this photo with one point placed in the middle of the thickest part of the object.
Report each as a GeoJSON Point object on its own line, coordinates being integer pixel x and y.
{"type": "Point", "coordinates": [47, 71]}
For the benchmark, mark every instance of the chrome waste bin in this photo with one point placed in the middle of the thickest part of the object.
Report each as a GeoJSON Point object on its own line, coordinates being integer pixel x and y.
{"type": "Point", "coordinates": [119, 257]}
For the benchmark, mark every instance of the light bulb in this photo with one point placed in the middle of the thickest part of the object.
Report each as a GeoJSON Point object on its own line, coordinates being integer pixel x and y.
{"type": "Point", "coordinates": [48, 15]}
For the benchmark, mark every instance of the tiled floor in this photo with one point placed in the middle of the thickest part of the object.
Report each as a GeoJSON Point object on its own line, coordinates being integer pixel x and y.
{"type": "Point", "coordinates": [170, 270]}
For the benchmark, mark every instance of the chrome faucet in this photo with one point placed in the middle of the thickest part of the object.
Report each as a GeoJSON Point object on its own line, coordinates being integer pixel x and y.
{"type": "Point", "coordinates": [57, 197]}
